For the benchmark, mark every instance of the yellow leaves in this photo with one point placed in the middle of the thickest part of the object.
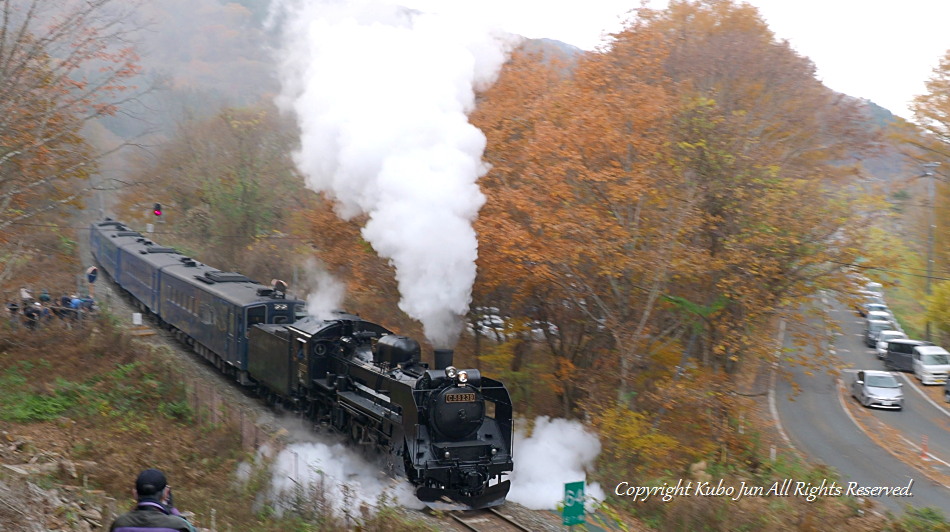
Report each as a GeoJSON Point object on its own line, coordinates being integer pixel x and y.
{"type": "Point", "coordinates": [244, 120]}
{"type": "Point", "coordinates": [498, 357]}
{"type": "Point", "coordinates": [938, 306]}
{"type": "Point", "coordinates": [629, 436]}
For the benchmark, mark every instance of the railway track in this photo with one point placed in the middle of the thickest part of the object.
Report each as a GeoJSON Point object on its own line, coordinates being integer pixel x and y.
{"type": "Point", "coordinates": [488, 520]}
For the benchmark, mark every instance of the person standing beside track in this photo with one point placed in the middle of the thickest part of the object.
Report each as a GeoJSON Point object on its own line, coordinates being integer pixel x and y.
{"type": "Point", "coordinates": [13, 308]}
{"type": "Point", "coordinates": [153, 510]}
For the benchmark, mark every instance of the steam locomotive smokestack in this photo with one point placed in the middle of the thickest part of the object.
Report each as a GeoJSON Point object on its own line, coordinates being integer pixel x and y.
{"type": "Point", "coordinates": [443, 358]}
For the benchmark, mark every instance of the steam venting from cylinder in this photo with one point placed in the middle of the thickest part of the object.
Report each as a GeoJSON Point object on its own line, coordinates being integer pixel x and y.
{"type": "Point", "coordinates": [443, 358]}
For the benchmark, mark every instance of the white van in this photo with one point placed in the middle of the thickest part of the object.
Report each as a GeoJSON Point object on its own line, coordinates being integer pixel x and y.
{"type": "Point", "coordinates": [931, 364]}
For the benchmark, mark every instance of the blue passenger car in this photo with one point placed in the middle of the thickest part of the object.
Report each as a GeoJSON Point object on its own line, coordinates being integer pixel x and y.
{"type": "Point", "coordinates": [140, 271]}
{"type": "Point", "coordinates": [209, 309]}
{"type": "Point", "coordinates": [106, 238]}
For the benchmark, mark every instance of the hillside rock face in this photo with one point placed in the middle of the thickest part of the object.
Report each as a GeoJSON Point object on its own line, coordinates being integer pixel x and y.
{"type": "Point", "coordinates": [28, 501]}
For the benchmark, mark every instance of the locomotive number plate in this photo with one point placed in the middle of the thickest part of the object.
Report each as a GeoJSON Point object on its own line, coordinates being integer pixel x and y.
{"type": "Point", "coordinates": [459, 398]}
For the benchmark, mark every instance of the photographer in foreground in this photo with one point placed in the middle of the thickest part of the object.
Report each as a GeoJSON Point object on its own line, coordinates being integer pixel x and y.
{"type": "Point", "coordinates": [154, 510]}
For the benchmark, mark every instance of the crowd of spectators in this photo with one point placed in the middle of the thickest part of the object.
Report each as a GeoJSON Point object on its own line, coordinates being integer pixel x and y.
{"type": "Point", "coordinates": [41, 311]}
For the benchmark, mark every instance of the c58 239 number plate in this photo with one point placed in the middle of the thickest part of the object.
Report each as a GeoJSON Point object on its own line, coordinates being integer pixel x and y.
{"type": "Point", "coordinates": [459, 398]}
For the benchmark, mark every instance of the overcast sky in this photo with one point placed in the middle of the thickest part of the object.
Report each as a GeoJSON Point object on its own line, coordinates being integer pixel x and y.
{"type": "Point", "coordinates": [882, 51]}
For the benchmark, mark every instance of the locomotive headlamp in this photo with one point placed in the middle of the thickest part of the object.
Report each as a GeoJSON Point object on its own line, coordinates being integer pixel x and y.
{"type": "Point", "coordinates": [463, 376]}
{"type": "Point", "coordinates": [451, 372]}
{"type": "Point", "coordinates": [448, 454]}
{"type": "Point", "coordinates": [494, 451]}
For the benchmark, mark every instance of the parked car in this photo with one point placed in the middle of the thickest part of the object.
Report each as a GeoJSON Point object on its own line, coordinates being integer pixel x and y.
{"type": "Point", "coordinates": [491, 325]}
{"type": "Point", "coordinates": [884, 315]}
{"type": "Point", "coordinates": [875, 288]}
{"type": "Point", "coordinates": [885, 336]}
{"type": "Point", "coordinates": [878, 389]}
{"type": "Point", "coordinates": [873, 327]}
{"type": "Point", "coordinates": [871, 306]}
{"type": "Point", "coordinates": [931, 364]}
{"type": "Point", "coordinates": [875, 297]}
{"type": "Point", "coordinates": [900, 354]}
{"type": "Point", "coordinates": [540, 330]}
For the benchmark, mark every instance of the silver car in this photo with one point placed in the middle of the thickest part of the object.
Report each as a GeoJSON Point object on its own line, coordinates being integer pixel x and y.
{"type": "Point", "coordinates": [878, 389]}
{"type": "Point", "coordinates": [872, 327]}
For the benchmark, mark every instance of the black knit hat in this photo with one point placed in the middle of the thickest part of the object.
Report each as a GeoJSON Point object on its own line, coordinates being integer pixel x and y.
{"type": "Point", "coordinates": [150, 482]}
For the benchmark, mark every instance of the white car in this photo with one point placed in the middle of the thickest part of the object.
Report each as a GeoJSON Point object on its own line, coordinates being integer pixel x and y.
{"type": "Point", "coordinates": [883, 337]}
{"type": "Point", "coordinates": [491, 325]}
{"type": "Point", "coordinates": [871, 297]}
{"type": "Point", "coordinates": [869, 307]}
{"type": "Point", "coordinates": [931, 364]}
{"type": "Point", "coordinates": [875, 288]}
{"type": "Point", "coordinates": [884, 315]}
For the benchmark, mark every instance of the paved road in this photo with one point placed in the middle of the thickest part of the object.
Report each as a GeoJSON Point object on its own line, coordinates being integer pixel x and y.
{"type": "Point", "coordinates": [920, 418]}
{"type": "Point", "coordinates": [820, 428]}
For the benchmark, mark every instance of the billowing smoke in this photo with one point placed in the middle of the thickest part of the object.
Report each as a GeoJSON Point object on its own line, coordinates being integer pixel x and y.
{"type": "Point", "coordinates": [557, 452]}
{"type": "Point", "coordinates": [381, 93]}
{"type": "Point", "coordinates": [325, 292]}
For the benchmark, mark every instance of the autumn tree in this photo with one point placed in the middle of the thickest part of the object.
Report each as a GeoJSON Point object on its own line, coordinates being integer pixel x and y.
{"type": "Point", "coordinates": [684, 180]}
{"type": "Point", "coordinates": [763, 142]}
{"type": "Point", "coordinates": [930, 138]}
{"type": "Point", "coordinates": [932, 113]}
{"type": "Point", "coordinates": [63, 65]}
{"type": "Point", "coordinates": [228, 184]}
{"type": "Point", "coordinates": [585, 205]}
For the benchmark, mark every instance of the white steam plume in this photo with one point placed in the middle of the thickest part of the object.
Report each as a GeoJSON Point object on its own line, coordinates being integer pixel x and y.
{"type": "Point", "coordinates": [339, 477]}
{"type": "Point", "coordinates": [381, 93]}
{"type": "Point", "coordinates": [557, 452]}
{"type": "Point", "coordinates": [325, 291]}
{"type": "Point", "coordinates": [317, 469]}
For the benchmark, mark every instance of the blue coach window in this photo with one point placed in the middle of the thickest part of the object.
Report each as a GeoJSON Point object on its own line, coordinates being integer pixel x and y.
{"type": "Point", "coordinates": [257, 314]}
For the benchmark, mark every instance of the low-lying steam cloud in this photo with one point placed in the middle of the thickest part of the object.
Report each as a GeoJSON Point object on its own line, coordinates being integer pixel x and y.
{"type": "Point", "coordinates": [381, 93]}
{"type": "Point", "coordinates": [557, 452]}
{"type": "Point", "coordinates": [337, 479]}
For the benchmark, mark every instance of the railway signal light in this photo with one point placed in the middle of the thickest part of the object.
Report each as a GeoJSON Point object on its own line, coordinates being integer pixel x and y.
{"type": "Point", "coordinates": [157, 210]}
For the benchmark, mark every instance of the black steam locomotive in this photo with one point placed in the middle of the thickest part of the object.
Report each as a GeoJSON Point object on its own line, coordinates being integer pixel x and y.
{"type": "Point", "coordinates": [448, 431]}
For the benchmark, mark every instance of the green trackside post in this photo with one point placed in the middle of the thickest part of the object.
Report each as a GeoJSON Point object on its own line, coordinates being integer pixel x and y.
{"type": "Point", "coordinates": [573, 513]}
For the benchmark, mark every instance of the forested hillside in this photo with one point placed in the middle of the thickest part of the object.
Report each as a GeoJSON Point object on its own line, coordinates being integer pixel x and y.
{"type": "Point", "coordinates": [652, 210]}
